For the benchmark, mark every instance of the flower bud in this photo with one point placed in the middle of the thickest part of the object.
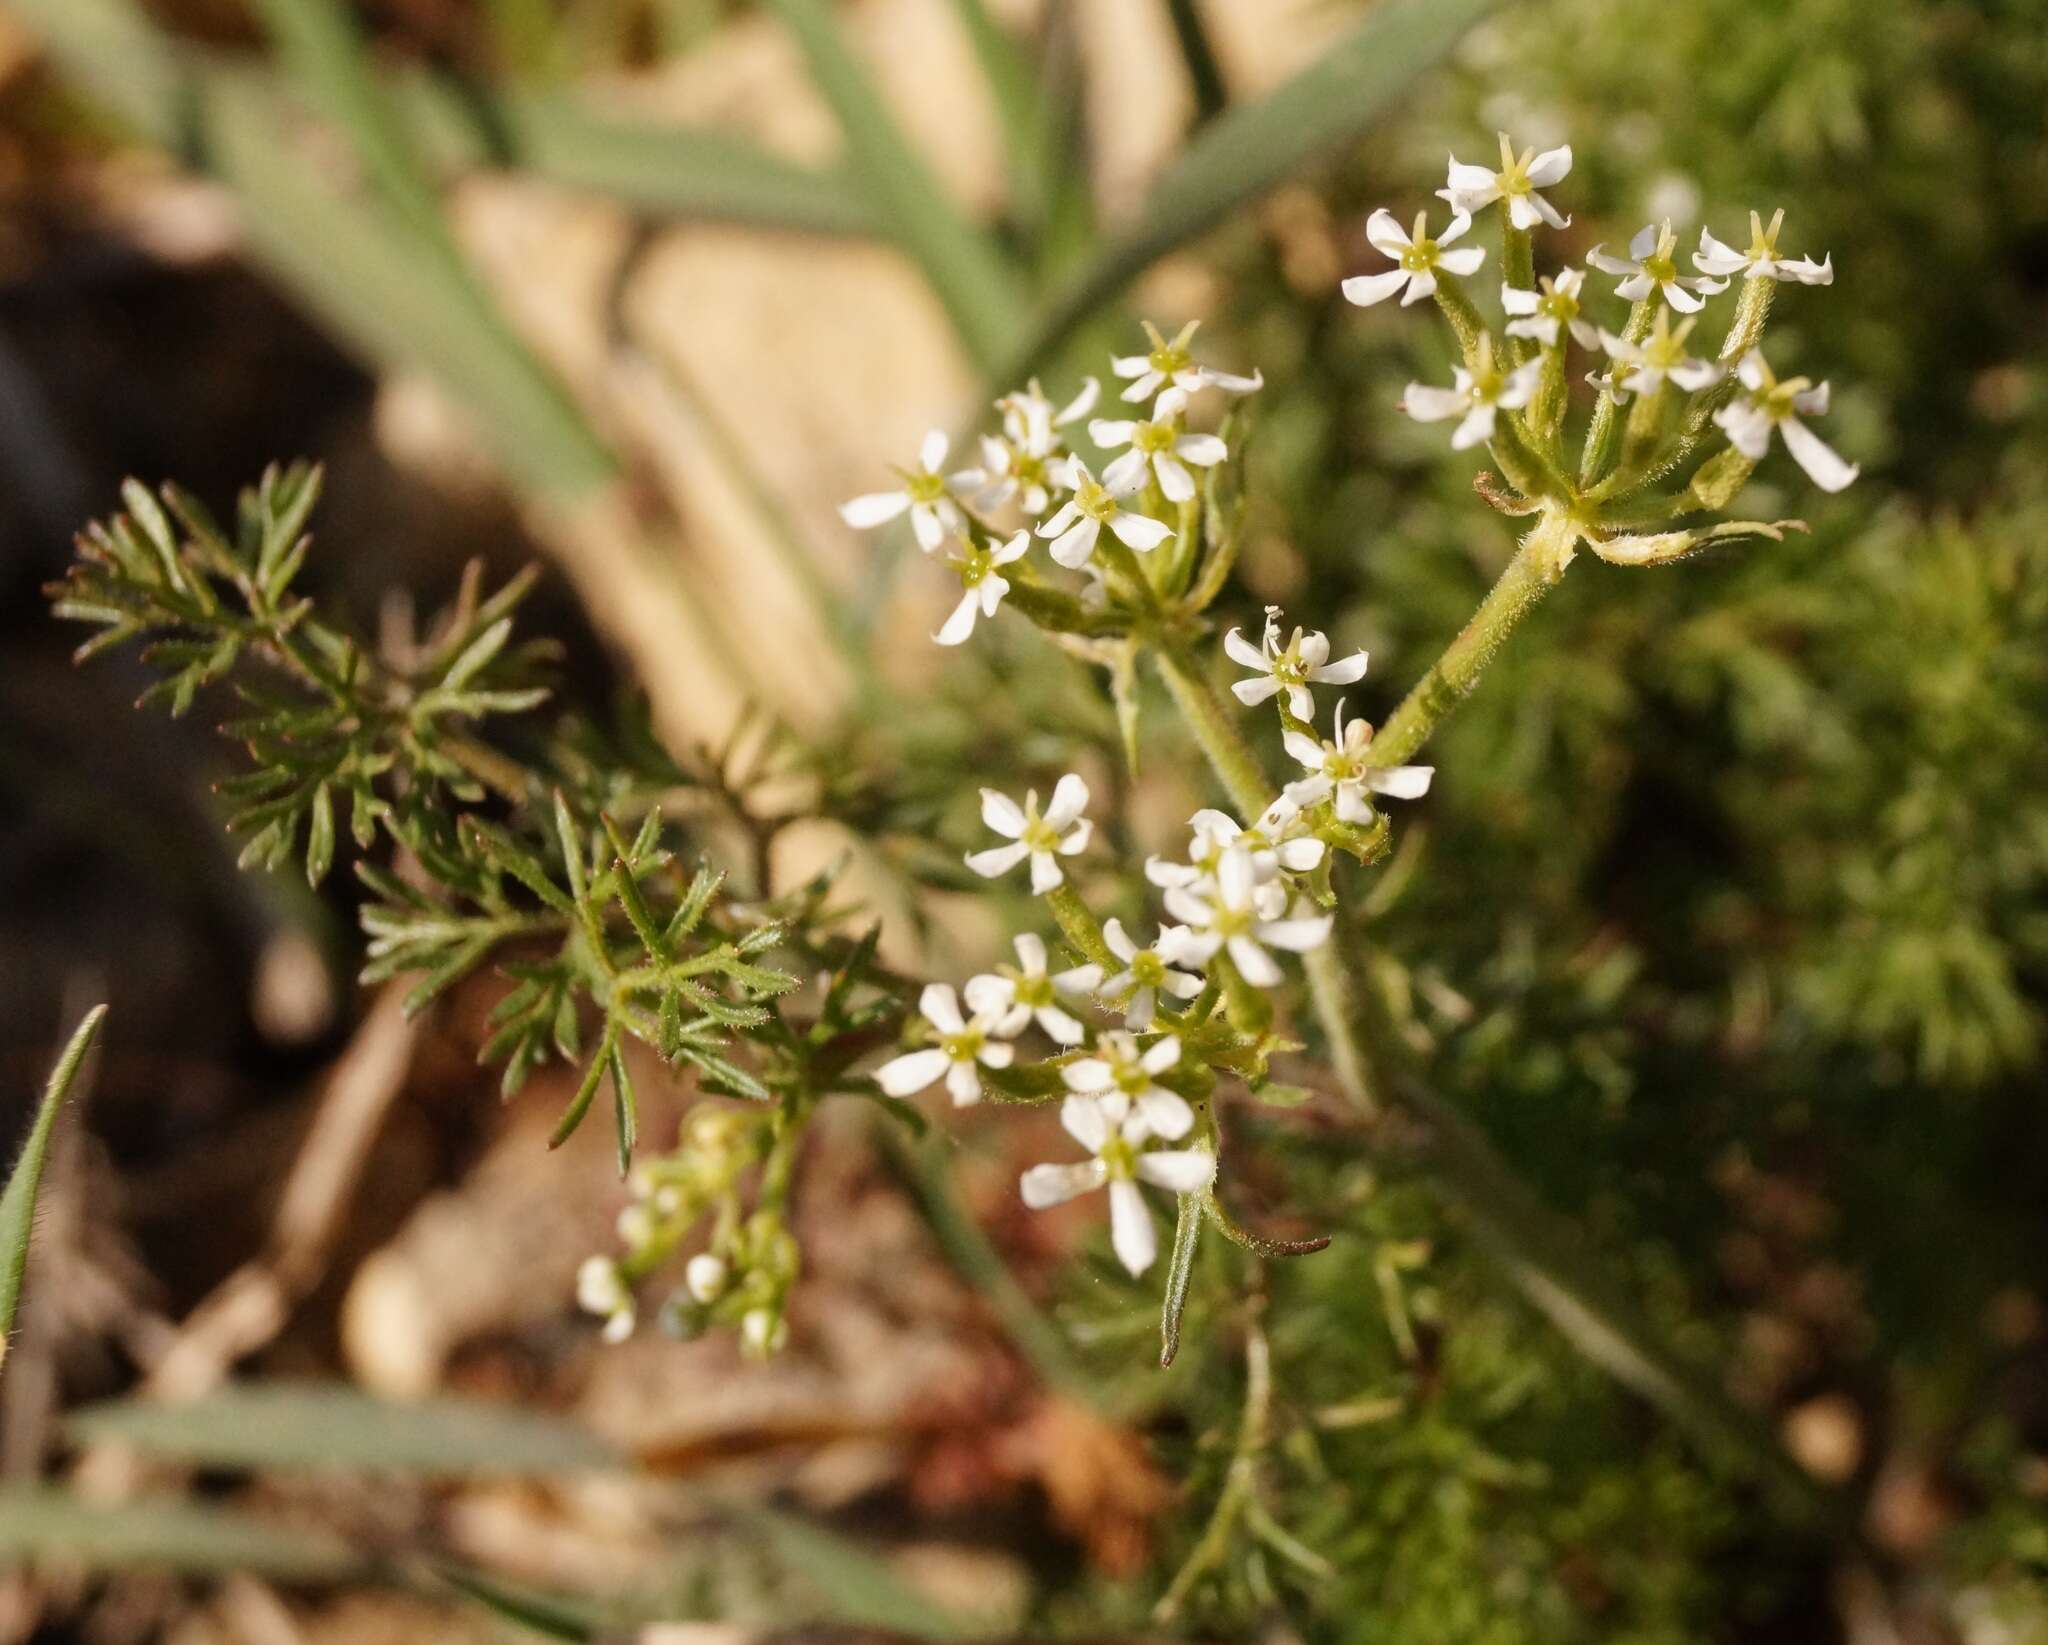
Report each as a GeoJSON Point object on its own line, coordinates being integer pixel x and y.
{"type": "Point", "coordinates": [705, 1277]}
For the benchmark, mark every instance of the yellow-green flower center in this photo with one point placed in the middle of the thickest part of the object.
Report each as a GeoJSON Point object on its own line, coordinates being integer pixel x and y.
{"type": "Point", "coordinates": [964, 1046]}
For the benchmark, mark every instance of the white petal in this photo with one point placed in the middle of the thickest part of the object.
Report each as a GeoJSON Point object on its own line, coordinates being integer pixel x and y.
{"type": "Point", "coordinates": [1474, 430]}
{"type": "Point", "coordinates": [1431, 405]}
{"type": "Point", "coordinates": [1681, 299]}
{"type": "Point", "coordinates": [1694, 375]}
{"type": "Point", "coordinates": [1242, 652]}
{"type": "Point", "coordinates": [1080, 405]}
{"type": "Point", "coordinates": [1074, 548]}
{"type": "Point", "coordinates": [1296, 936]}
{"type": "Point", "coordinates": [1367, 289]}
{"type": "Point", "coordinates": [1069, 800]}
{"type": "Point", "coordinates": [1030, 948]}
{"type": "Point", "coordinates": [1748, 429]}
{"type": "Point", "coordinates": [876, 508]}
{"type": "Point", "coordinates": [1401, 782]}
{"type": "Point", "coordinates": [1184, 1170]}
{"type": "Point", "coordinates": [1308, 790]}
{"type": "Point", "coordinates": [1059, 1026]}
{"type": "Point", "coordinates": [1643, 242]}
{"type": "Point", "coordinates": [1385, 232]}
{"type": "Point", "coordinates": [1420, 285]}
{"type": "Point", "coordinates": [1253, 692]}
{"type": "Point", "coordinates": [1752, 371]}
{"type": "Point", "coordinates": [1518, 300]}
{"type": "Point", "coordinates": [960, 624]}
{"type": "Point", "coordinates": [963, 1084]}
{"type": "Point", "coordinates": [1166, 1114]}
{"type": "Point", "coordinates": [926, 526]}
{"type": "Point", "coordinates": [1253, 963]}
{"type": "Point", "coordinates": [1075, 840]}
{"type": "Point", "coordinates": [941, 1007]}
{"type": "Point", "coordinates": [1344, 671]}
{"type": "Point", "coordinates": [1550, 167]}
{"type": "Point", "coordinates": [989, 995]}
{"type": "Point", "coordinates": [1203, 450]}
{"type": "Point", "coordinates": [1807, 272]}
{"type": "Point", "coordinates": [1138, 532]}
{"type": "Point", "coordinates": [1048, 1185]}
{"type": "Point", "coordinates": [1131, 365]}
{"type": "Point", "coordinates": [1011, 550]}
{"type": "Point", "coordinates": [1145, 386]}
{"type": "Point", "coordinates": [1138, 1011]}
{"type": "Point", "coordinates": [1812, 402]}
{"type": "Point", "coordinates": [1068, 513]}
{"type": "Point", "coordinates": [1045, 873]}
{"type": "Point", "coordinates": [1087, 1075]}
{"type": "Point", "coordinates": [1607, 263]}
{"type": "Point", "coordinates": [1636, 287]}
{"type": "Point", "coordinates": [1822, 464]}
{"type": "Point", "coordinates": [1541, 327]}
{"type": "Point", "coordinates": [1125, 473]}
{"type": "Point", "coordinates": [1174, 480]}
{"type": "Point", "coordinates": [1109, 433]}
{"type": "Point", "coordinates": [1231, 383]}
{"type": "Point", "coordinates": [1715, 257]}
{"type": "Point", "coordinates": [1522, 211]}
{"type": "Point", "coordinates": [1299, 856]}
{"type": "Point", "coordinates": [1455, 228]}
{"type": "Point", "coordinates": [997, 860]}
{"type": "Point", "coordinates": [1001, 813]}
{"type": "Point", "coordinates": [1118, 938]}
{"type": "Point", "coordinates": [996, 1054]}
{"type": "Point", "coordinates": [1077, 979]}
{"type": "Point", "coordinates": [1086, 1122]}
{"type": "Point", "coordinates": [1131, 1233]}
{"type": "Point", "coordinates": [1465, 260]}
{"type": "Point", "coordinates": [1466, 179]}
{"type": "Point", "coordinates": [910, 1073]}
{"type": "Point", "coordinates": [1158, 1058]}
{"type": "Point", "coordinates": [1520, 386]}
{"type": "Point", "coordinates": [1303, 749]}
{"type": "Point", "coordinates": [931, 451]}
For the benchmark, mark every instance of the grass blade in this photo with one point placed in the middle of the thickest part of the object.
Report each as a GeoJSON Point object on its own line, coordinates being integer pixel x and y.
{"type": "Point", "coordinates": [18, 1202]}
{"type": "Point", "coordinates": [40, 1523]}
{"type": "Point", "coordinates": [666, 171]}
{"type": "Point", "coordinates": [1252, 147]}
{"type": "Point", "coordinates": [976, 285]}
{"type": "Point", "coordinates": [329, 1426]}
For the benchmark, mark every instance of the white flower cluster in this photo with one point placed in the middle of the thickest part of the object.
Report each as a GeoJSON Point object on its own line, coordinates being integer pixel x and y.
{"type": "Point", "coordinates": [1236, 897]}
{"type": "Point", "coordinates": [1028, 468]}
{"type": "Point", "coordinates": [1490, 383]}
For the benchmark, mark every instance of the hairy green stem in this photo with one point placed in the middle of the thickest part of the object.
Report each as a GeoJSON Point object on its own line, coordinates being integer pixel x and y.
{"type": "Point", "coordinates": [1538, 563]}
{"type": "Point", "coordinates": [1597, 455]}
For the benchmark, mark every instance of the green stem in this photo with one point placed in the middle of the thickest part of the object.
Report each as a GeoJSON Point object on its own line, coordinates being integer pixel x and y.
{"type": "Point", "coordinates": [1079, 926]}
{"type": "Point", "coordinates": [1538, 563]}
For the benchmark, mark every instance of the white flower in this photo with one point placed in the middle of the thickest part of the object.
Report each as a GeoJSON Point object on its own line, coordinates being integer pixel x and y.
{"type": "Point", "coordinates": [1652, 266]}
{"type": "Point", "coordinates": [1230, 913]}
{"type": "Point", "coordinates": [1289, 668]}
{"type": "Point", "coordinates": [1771, 404]}
{"type": "Point", "coordinates": [704, 1277]}
{"type": "Point", "coordinates": [1172, 363]}
{"type": "Point", "coordinates": [1120, 1066]}
{"type": "Point", "coordinates": [1275, 841]}
{"type": "Point", "coordinates": [1145, 972]}
{"type": "Point", "coordinates": [1160, 442]}
{"type": "Point", "coordinates": [1469, 188]}
{"type": "Point", "coordinates": [1761, 261]}
{"type": "Point", "coordinates": [1417, 258]}
{"type": "Point", "coordinates": [762, 1333]}
{"type": "Point", "coordinates": [1012, 997]}
{"type": "Point", "coordinates": [1541, 314]}
{"type": "Point", "coordinates": [1019, 462]}
{"type": "Point", "coordinates": [964, 1043]}
{"type": "Point", "coordinates": [1642, 367]}
{"type": "Point", "coordinates": [1343, 768]}
{"type": "Point", "coordinates": [1060, 832]}
{"type": "Point", "coordinates": [926, 493]}
{"type": "Point", "coordinates": [1116, 1134]}
{"type": "Point", "coordinates": [602, 1289]}
{"type": "Point", "coordinates": [1080, 519]}
{"type": "Point", "coordinates": [984, 589]}
{"type": "Point", "coordinates": [1474, 397]}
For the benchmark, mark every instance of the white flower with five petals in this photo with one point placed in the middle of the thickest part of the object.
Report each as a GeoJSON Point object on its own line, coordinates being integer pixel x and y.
{"type": "Point", "coordinates": [1160, 442]}
{"type": "Point", "coordinates": [983, 587]}
{"type": "Point", "coordinates": [1474, 397]}
{"type": "Point", "coordinates": [1012, 996]}
{"type": "Point", "coordinates": [1060, 832]}
{"type": "Point", "coordinates": [1770, 404]}
{"type": "Point", "coordinates": [1230, 913]}
{"type": "Point", "coordinates": [926, 492]}
{"type": "Point", "coordinates": [1762, 261]}
{"type": "Point", "coordinates": [1416, 257]}
{"type": "Point", "coordinates": [966, 1045]}
{"type": "Point", "coordinates": [1469, 189]}
{"type": "Point", "coordinates": [1116, 1134]}
{"type": "Point", "coordinates": [1118, 1065]}
{"type": "Point", "coordinates": [1289, 668]}
{"type": "Point", "coordinates": [1542, 314]}
{"type": "Point", "coordinates": [1136, 988]}
{"type": "Point", "coordinates": [1343, 768]}
{"type": "Point", "coordinates": [1170, 363]}
{"type": "Point", "coordinates": [1640, 368]}
{"type": "Point", "coordinates": [1275, 841]}
{"type": "Point", "coordinates": [1076, 526]}
{"type": "Point", "coordinates": [1652, 266]}
{"type": "Point", "coordinates": [1020, 462]}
